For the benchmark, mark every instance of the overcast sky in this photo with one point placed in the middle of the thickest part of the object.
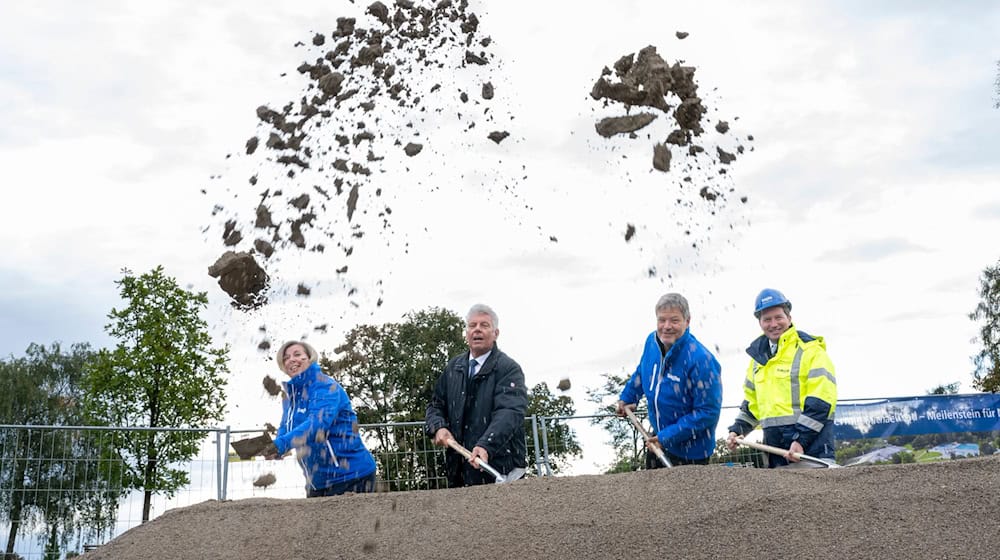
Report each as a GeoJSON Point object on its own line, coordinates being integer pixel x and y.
{"type": "Point", "coordinates": [872, 183]}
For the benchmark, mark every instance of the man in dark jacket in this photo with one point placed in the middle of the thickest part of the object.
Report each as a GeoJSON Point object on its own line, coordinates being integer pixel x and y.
{"type": "Point", "coordinates": [480, 401]}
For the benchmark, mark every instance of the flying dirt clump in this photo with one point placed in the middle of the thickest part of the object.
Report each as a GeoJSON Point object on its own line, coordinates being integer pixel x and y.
{"type": "Point", "coordinates": [265, 480]}
{"type": "Point", "coordinates": [371, 92]}
{"type": "Point", "coordinates": [647, 80]}
{"type": "Point", "coordinates": [610, 126]}
{"type": "Point", "coordinates": [242, 278]}
{"type": "Point", "coordinates": [647, 95]}
{"type": "Point", "coordinates": [271, 386]}
{"type": "Point", "coordinates": [564, 384]}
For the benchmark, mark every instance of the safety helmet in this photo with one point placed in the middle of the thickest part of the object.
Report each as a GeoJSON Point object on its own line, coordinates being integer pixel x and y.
{"type": "Point", "coordinates": [769, 298]}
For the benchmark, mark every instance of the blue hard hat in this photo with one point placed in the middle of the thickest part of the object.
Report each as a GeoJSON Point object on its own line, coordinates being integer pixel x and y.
{"type": "Point", "coordinates": [769, 298]}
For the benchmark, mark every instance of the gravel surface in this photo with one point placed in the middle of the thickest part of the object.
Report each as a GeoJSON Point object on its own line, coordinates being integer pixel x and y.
{"type": "Point", "coordinates": [938, 510]}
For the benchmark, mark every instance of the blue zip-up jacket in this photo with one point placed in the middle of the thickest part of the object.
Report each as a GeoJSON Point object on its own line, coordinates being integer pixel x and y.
{"type": "Point", "coordinates": [319, 422]}
{"type": "Point", "coordinates": [683, 390]}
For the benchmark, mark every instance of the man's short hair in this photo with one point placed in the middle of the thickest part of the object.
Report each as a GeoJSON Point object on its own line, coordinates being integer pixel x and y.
{"type": "Point", "coordinates": [674, 301]}
{"type": "Point", "coordinates": [481, 308]}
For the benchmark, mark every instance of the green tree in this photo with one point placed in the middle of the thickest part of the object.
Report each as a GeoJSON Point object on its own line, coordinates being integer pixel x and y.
{"type": "Point", "coordinates": [390, 371]}
{"type": "Point", "coordinates": [562, 442]}
{"type": "Point", "coordinates": [949, 389]}
{"type": "Point", "coordinates": [903, 457]}
{"type": "Point", "coordinates": [162, 373]}
{"type": "Point", "coordinates": [625, 440]}
{"type": "Point", "coordinates": [987, 361]}
{"type": "Point", "coordinates": [52, 480]}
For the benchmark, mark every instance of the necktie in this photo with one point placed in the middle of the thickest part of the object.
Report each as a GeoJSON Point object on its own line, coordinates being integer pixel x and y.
{"type": "Point", "coordinates": [472, 368]}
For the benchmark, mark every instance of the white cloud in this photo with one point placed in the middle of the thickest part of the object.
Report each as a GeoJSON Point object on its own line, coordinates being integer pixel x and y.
{"type": "Point", "coordinates": [870, 180]}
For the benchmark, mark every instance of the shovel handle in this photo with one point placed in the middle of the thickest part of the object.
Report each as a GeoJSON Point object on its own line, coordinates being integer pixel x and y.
{"type": "Point", "coordinates": [779, 451]}
{"type": "Point", "coordinates": [655, 448]}
{"type": "Point", "coordinates": [468, 455]}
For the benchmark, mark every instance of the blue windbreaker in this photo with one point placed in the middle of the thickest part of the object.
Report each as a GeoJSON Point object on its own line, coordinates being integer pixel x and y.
{"type": "Point", "coordinates": [683, 390]}
{"type": "Point", "coordinates": [319, 422]}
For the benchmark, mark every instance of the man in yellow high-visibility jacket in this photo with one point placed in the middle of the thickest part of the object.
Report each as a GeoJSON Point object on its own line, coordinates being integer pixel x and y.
{"type": "Point", "coordinates": [790, 389]}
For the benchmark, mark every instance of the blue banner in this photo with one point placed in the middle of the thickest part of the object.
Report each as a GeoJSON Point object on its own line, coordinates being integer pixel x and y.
{"type": "Point", "coordinates": [908, 416]}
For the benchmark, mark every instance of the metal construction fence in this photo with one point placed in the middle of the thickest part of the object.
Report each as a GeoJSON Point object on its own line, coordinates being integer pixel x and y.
{"type": "Point", "coordinates": [64, 488]}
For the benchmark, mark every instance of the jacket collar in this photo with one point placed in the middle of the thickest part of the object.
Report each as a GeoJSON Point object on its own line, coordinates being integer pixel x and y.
{"type": "Point", "coordinates": [681, 341]}
{"type": "Point", "coordinates": [307, 376]}
{"type": "Point", "coordinates": [485, 368]}
{"type": "Point", "coordinates": [760, 348]}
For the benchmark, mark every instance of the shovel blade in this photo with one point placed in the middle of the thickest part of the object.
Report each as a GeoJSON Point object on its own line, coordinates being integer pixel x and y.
{"type": "Point", "coordinates": [513, 475]}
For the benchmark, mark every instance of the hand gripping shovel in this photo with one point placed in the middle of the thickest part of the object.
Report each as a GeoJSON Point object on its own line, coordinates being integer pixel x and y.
{"type": "Point", "coordinates": [654, 447]}
{"type": "Point", "coordinates": [500, 479]}
{"type": "Point", "coordinates": [830, 464]}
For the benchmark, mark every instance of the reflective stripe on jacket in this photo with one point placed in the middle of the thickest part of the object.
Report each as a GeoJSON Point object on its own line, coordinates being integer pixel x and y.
{"type": "Point", "coordinates": [683, 391]}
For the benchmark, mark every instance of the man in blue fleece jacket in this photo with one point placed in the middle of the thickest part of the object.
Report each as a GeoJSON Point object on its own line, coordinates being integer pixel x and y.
{"type": "Point", "coordinates": [682, 383]}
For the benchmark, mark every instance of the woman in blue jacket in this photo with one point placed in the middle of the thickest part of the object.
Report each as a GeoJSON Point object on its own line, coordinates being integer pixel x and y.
{"type": "Point", "coordinates": [320, 424]}
{"type": "Point", "coordinates": [682, 383]}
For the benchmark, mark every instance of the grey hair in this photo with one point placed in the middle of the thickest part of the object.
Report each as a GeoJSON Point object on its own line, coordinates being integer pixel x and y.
{"type": "Point", "coordinates": [674, 301]}
{"type": "Point", "coordinates": [480, 308]}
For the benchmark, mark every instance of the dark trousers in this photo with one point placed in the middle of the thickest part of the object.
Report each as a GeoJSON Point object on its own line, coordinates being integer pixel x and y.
{"type": "Point", "coordinates": [653, 462]}
{"type": "Point", "coordinates": [361, 485]}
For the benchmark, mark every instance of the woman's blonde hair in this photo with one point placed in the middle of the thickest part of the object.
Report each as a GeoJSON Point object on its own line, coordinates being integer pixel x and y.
{"type": "Point", "coordinates": [310, 351]}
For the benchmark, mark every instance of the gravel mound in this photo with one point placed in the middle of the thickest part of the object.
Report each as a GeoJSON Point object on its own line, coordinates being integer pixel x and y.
{"type": "Point", "coordinates": [937, 510]}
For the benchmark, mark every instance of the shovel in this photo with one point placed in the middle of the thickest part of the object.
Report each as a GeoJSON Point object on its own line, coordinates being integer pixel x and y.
{"type": "Point", "coordinates": [828, 463]}
{"type": "Point", "coordinates": [500, 479]}
{"type": "Point", "coordinates": [654, 447]}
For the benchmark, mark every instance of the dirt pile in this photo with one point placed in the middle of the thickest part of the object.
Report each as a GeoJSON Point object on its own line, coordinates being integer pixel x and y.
{"type": "Point", "coordinates": [939, 510]}
{"type": "Point", "coordinates": [373, 90]}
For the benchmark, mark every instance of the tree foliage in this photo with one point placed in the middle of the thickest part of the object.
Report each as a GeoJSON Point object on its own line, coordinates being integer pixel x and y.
{"type": "Point", "coordinates": [987, 314]}
{"type": "Point", "coordinates": [54, 482]}
{"type": "Point", "coordinates": [628, 445]}
{"type": "Point", "coordinates": [163, 372]}
{"type": "Point", "coordinates": [560, 438]}
{"type": "Point", "coordinates": [390, 370]}
{"type": "Point", "coordinates": [948, 389]}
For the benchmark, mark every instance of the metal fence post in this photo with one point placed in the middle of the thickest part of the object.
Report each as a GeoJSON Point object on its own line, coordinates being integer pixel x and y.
{"type": "Point", "coordinates": [545, 446]}
{"type": "Point", "coordinates": [224, 467]}
{"type": "Point", "coordinates": [534, 434]}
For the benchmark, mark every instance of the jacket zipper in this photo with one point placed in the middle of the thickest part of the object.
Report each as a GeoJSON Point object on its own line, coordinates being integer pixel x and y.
{"type": "Point", "coordinates": [658, 379]}
{"type": "Point", "coordinates": [288, 428]}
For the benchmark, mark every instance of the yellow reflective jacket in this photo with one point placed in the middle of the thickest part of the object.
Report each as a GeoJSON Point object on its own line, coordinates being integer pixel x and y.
{"type": "Point", "coordinates": [792, 395]}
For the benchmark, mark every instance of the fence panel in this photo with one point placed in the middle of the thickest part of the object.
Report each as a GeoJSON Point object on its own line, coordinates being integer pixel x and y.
{"type": "Point", "coordinates": [67, 487]}
{"type": "Point", "coordinates": [63, 487]}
